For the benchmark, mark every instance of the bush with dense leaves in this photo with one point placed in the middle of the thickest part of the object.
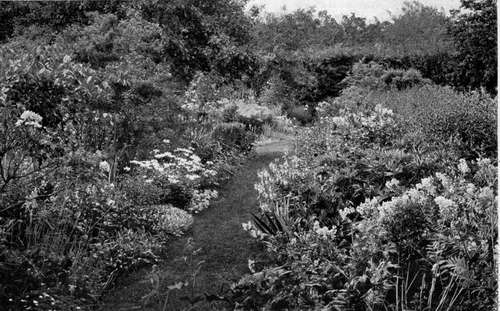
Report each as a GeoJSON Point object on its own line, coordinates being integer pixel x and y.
{"type": "Point", "coordinates": [375, 76]}
{"type": "Point", "coordinates": [234, 134]}
{"type": "Point", "coordinates": [345, 159]}
{"type": "Point", "coordinates": [140, 192]}
{"type": "Point", "coordinates": [440, 114]}
{"type": "Point", "coordinates": [362, 212]}
{"type": "Point", "coordinates": [474, 29]}
{"type": "Point", "coordinates": [67, 148]}
{"type": "Point", "coordinates": [440, 231]}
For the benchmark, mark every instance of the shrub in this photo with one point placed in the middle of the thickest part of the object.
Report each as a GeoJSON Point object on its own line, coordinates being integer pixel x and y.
{"type": "Point", "coordinates": [80, 215]}
{"type": "Point", "coordinates": [453, 228]}
{"type": "Point", "coordinates": [140, 192]}
{"type": "Point", "coordinates": [373, 76]}
{"type": "Point", "coordinates": [181, 175]}
{"type": "Point", "coordinates": [344, 159]}
{"type": "Point", "coordinates": [441, 114]}
{"type": "Point", "coordinates": [367, 76]}
{"type": "Point", "coordinates": [234, 135]}
{"type": "Point", "coordinates": [276, 92]}
{"type": "Point", "coordinates": [440, 231]}
{"type": "Point", "coordinates": [171, 220]}
{"type": "Point", "coordinates": [364, 219]}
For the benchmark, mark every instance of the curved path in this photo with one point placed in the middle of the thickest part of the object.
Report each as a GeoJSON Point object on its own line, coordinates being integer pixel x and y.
{"type": "Point", "coordinates": [218, 240]}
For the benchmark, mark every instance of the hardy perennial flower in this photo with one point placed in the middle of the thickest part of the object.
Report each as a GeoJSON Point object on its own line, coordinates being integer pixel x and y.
{"type": "Point", "coordinates": [30, 118]}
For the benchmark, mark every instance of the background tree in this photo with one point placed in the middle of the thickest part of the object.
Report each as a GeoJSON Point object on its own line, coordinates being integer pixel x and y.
{"type": "Point", "coordinates": [418, 29]}
{"type": "Point", "coordinates": [475, 34]}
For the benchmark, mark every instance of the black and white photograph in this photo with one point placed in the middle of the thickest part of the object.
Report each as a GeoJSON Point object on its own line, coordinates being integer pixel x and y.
{"type": "Point", "coordinates": [249, 155]}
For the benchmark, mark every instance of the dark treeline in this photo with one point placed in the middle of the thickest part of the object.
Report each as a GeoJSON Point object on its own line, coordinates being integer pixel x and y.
{"type": "Point", "coordinates": [457, 49]}
{"type": "Point", "coordinates": [418, 29]}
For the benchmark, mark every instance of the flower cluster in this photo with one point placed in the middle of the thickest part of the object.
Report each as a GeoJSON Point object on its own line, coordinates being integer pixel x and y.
{"type": "Point", "coordinates": [253, 231]}
{"type": "Point", "coordinates": [324, 232]}
{"type": "Point", "coordinates": [279, 175]}
{"type": "Point", "coordinates": [30, 118]}
{"type": "Point", "coordinates": [459, 209]}
{"type": "Point", "coordinates": [182, 168]}
{"type": "Point", "coordinates": [201, 200]}
{"type": "Point", "coordinates": [181, 165]}
{"type": "Point", "coordinates": [376, 119]}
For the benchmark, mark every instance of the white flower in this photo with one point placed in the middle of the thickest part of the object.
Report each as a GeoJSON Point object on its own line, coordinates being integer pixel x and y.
{"type": "Point", "coordinates": [163, 155]}
{"type": "Point", "coordinates": [247, 226]}
{"type": "Point", "coordinates": [444, 180]}
{"type": "Point", "coordinates": [104, 166]}
{"type": "Point", "coordinates": [415, 196]}
{"type": "Point", "coordinates": [383, 111]}
{"type": "Point", "coordinates": [446, 206]}
{"type": "Point", "coordinates": [346, 211]}
{"type": "Point", "coordinates": [463, 167]}
{"type": "Point", "coordinates": [195, 158]}
{"type": "Point", "coordinates": [192, 177]}
{"type": "Point", "coordinates": [393, 183]}
{"type": "Point", "coordinates": [29, 118]}
{"type": "Point", "coordinates": [470, 188]}
{"type": "Point", "coordinates": [368, 207]}
{"type": "Point", "coordinates": [254, 232]}
{"type": "Point", "coordinates": [426, 184]}
{"type": "Point", "coordinates": [484, 162]}
{"type": "Point", "coordinates": [66, 59]}
{"type": "Point", "coordinates": [486, 193]}
{"type": "Point", "coordinates": [340, 121]}
{"type": "Point", "coordinates": [324, 232]}
{"type": "Point", "coordinates": [251, 265]}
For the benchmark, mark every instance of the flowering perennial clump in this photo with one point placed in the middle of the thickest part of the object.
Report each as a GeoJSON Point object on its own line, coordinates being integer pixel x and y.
{"type": "Point", "coordinates": [30, 118]}
{"type": "Point", "coordinates": [178, 166]}
{"type": "Point", "coordinates": [253, 231]}
{"type": "Point", "coordinates": [184, 168]}
{"type": "Point", "coordinates": [278, 175]}
{"type": "Point", "coordinates": [324, 232]}
{"type": "Point", "coordinates": [456, 210]}
{"type": "Point", "coordinates": [369, 208]}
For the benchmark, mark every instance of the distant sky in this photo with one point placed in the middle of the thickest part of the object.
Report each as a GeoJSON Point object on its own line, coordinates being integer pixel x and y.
{"type": "Point", "coordinates": [364, 8]}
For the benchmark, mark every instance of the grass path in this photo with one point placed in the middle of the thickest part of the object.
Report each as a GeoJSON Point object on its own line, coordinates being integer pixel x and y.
{"type": "Point", "coordinates": [223, 246]}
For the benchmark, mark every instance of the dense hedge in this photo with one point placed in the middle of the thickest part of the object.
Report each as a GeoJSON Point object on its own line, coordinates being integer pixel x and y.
{"type": "Point", "coordinates": [322, 77]}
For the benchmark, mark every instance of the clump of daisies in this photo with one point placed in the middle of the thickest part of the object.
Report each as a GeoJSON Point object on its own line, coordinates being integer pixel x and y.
{"type": "Point", "coordinates": [182, 167]}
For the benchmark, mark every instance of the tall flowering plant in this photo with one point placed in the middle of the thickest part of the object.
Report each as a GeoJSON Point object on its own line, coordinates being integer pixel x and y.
{"type": "Point", "coordinates": [447, 224]}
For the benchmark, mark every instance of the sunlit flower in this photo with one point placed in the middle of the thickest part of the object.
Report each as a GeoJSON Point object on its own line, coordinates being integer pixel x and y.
{"type": "Point", "coordinates": [426, 184]}
{"type": "Point", "coordinates": [446, 206]}
{"type": "Point", "coordinates": [470, 188]}
{"type": "Point", "coordinates": [30, 118]}
{"type": "Point", "coordinates": [104, 166]}
{"type": "Point", "coordinates": [463, 167]}
{"type": "Point", "coordinates": [324, 232]}
{"type": "Point", "coordinates": [393, 183]}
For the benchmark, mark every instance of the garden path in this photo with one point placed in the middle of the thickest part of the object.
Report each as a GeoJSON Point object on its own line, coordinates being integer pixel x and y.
{"type": "Point", "coordinates": [223, 246]}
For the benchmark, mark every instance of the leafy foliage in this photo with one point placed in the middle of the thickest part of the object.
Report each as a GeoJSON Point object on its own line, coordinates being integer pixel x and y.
{"type": "Point", "coordinates": [475, 34]}
{"type": "Point", "coordinates": [119, 119]}
{"type": "Point", "coordinates": [371, 222]}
